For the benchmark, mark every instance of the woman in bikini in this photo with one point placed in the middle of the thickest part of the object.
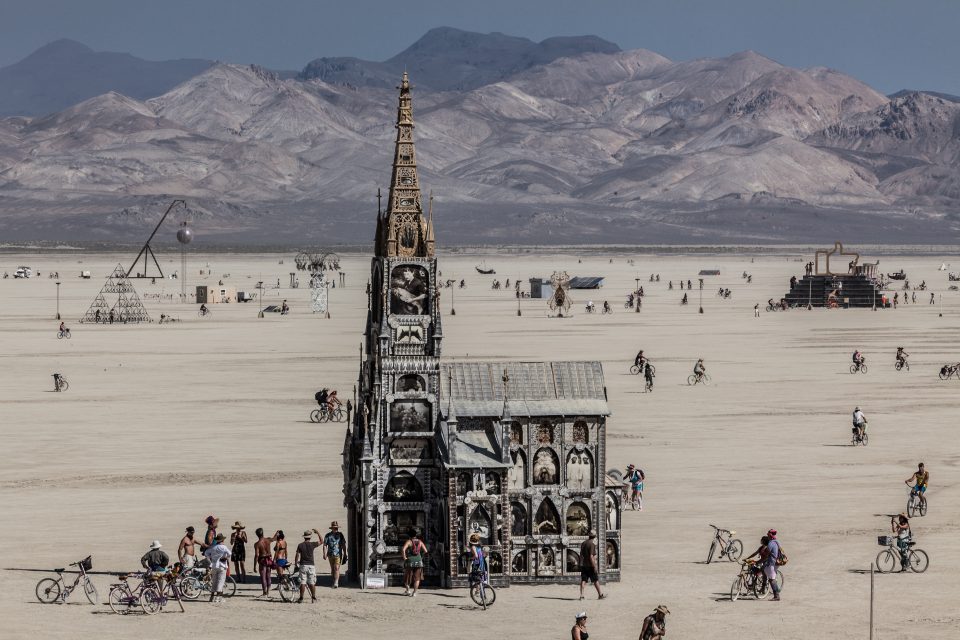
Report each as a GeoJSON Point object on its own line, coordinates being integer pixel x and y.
{"type": "Point", "coordinates": [280, 554]}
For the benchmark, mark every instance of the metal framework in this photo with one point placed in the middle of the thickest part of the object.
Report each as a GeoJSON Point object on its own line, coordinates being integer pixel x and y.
{"type": "Point", "coordinates": [126, 310]}
{"type": "Point", "coordinates": [146, 251]}
{"type": "Point", "coordinates": [560, 300]}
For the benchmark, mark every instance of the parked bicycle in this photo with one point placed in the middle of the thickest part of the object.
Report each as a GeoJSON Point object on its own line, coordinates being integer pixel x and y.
{"type": "Point", "coordinates": [194, 582]}
{"type": "Point", "coordinates": [50, 590]}
{"type": "Point", "coordinates": [729, 546]}
{"type": "Point", "coordinates": [288, 584]}
{"type": "Point", "coordinates": [703, 379]}
{"type": "Point", "coordinates": [948, 371]}
{"type": "Point", "coordinates": [916, 503]}
{"type": "Point", "coordinates": [160, 589]}
{"type": "Point", "coordinates": [889, 559]}
{"type": "Point", "coordinates": [123, 598]}
{"type": "Point", "coordinates": [63, 334]}
{"type": "Point", "coordinates": [752, 581]}
{"type": "Point", "coordinates": [636, 370]}
{"type": "Point", "coordinates": [860, 367]}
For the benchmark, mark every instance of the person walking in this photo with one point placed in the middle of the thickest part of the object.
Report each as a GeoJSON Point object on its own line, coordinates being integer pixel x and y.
{"type": "Point", "coordinates": [219, 557]}
{"type": "Point", "coordinates": [589, 565]}
{"type": "Point", "coordinates": [335, 551]}
{"type": "Point", "coordinates": [655, 624]}
{"type": "Point", "coordinates": [579, 630]}
{"type": "Point", "coordinates": [238, 550]}
{"type": "Point", "coordinates": [756, 310]}
{"type": "Point", "coordinates": [413, 552]}
{"type": "Point", "coordinates": [308, 568]}
{"type": "Point", "coordinates": [263, 560]}
{"type": "Point", "coordinates": [186, 551]}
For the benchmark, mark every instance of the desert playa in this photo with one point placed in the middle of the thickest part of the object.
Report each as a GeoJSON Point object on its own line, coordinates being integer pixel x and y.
{"type": "Point", "coordinates": [164, 424]}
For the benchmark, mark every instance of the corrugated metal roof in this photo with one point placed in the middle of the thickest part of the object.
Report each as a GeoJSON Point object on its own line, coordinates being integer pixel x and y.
{"type": "Point", "coordinates": [533, 388]}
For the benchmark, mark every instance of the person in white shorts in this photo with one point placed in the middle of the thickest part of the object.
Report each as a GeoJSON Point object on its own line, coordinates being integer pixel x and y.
{"type": "Point", "coordinates": [308, 568]}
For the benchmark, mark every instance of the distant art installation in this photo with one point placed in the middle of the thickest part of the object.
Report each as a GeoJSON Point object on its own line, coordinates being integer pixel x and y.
{"type": "Point", "coordinates": [126, 310]}
{"type": "Point", "coordinates": [560, 300]}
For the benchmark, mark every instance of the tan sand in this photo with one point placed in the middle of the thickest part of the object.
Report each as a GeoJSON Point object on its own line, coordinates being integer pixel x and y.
{"type": "Point", "coordinates": [165, 424]}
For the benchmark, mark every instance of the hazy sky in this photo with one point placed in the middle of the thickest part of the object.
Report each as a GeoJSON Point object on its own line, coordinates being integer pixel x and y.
{"type": "Point", "coordinates": [890, 44]}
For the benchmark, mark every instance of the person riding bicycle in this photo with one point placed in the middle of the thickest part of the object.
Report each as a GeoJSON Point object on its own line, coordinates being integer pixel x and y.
{"type": "Point", "coordinates": [921, 479]}
{"type": "Point", "coordinates": [333, 401]}
{"type": "Point", "coordinates": [859, 423]}
{"type": "Point", "coordinates": [57, 381]}
{"type": "Point", "coordinates": [699, 369]}
{"type": "Point", "coordinates": [63, 326]}
{"type": "Point", "coordinates": [900, 526]}
{"type": "Point", "coordinates": [858, 358]}
{"type": "Point", "coordinates": [203, 309]}
{"type": "Point", "coordinates": [606, 307]}
{"type": "Point", "coordinates": [640, 360]}
{"type": "Point", "coordinates": [322, 398]}
{"type": "Point", "coordinates": [590, 307]}
{"type": "Point", "coordinates": [902, 356]}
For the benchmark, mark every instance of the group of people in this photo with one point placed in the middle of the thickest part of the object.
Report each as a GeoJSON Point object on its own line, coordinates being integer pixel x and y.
{"type": "Point", "coordinates": [769, 556]}
{"type": "Point", "coordinates": [654, 625]}
{"type": "Point", "coordinates": [269, 554]}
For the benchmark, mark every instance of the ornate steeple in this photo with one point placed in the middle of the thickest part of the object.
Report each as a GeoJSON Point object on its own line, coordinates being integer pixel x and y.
{"type": "Point", "coordinates": [404, 231]}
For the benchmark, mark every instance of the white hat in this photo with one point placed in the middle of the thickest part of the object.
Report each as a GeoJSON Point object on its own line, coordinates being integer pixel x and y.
{"type": "Point", "coordinates": [155, 544]}
{"type": "Point", "coordinates": [581, 615]}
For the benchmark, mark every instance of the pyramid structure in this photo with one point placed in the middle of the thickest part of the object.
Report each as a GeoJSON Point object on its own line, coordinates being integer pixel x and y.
{"type": "Point", "coordinates": [127, 309]}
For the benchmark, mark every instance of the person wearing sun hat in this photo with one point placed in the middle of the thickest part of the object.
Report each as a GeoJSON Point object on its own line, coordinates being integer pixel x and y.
{"type": "Point", "coordinates": [335, 551]}
{"type": "Point", "coordinates": [155, 559]}
{"type": "Point", "coordinates": [208, 538]}
{"type": "Point", "coordinates": [579, 630]}
{"type": "Point", "coordinates": [655, 624]}
{"type": "Point", "coordinates": [219, 557]}
{"type": "Point", "coordinates": [308, 568]}
{"type": "Point", "coordinates": [238, 550]}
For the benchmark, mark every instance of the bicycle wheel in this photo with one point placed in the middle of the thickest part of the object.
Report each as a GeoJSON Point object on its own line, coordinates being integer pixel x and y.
{"type": "Point", "coordinates": [483, 594]}
{"type": "Point", "coordinates": [288, 592]}
{"type": "Point", "coordinates": [863, 368]}
{"type": "Point", "coordinates": [315, 415]}
{"type": "Point", "coordinates": [64, 385]}
{"type": "Point", "coordinates": [922, 507]}
{"type": "Point", "coordinates": [912, 505]}
{"type": "Point", "coordinates": [944, 375]}
{"type": "Point", "coordinates": [734, 550]}
{"type": "Point", "coordinates": [90, 590]}
{"type": "Point", "coordinates": [48, 590]}
{"type": "Point", "coordinates": [761, 588]}
{"type": "Point", "coordinates": [897, 365]}
{"type": "Point", "coordinates": [706, 379]}
{"type": "Point", "coordinates": [229, 587]}
{"type": "Point", "coordinates": [865, 439]}
{"type": "Point", "coordinates": [59, 335]}
{"type": "Point", "coordinates": [190, 588]}
{"type": "Point", "coordinates": [887, 561]}
{"type": "Point", "coordinates": [150, 600]}
{"type": "Point", "coordinates": [691, 379]}
{"type": "Point", "coordinates": [918, 560]}
{"type": "Point", "coordinates": [121, 601]}
{"type": "Point", "coordinates": [324, 416]}
{"type": "Point", "coordinates": [339, 414]}
{"type": "Point", "coordinates": [853, 368]}
{"type": "Point", "coordinates": [737, 589]}
{"type": "Point", "coordinates": [713, 547]}
{"type": "Point", "coordinates": [635, 370]}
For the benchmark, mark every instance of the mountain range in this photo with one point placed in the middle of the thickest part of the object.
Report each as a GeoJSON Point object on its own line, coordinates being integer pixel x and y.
{"type": "Point", "coordinates": [569, 140]}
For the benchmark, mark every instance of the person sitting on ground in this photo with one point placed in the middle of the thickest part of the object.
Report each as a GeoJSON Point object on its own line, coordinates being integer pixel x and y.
{"type": "Point", "coordinates": [655, 624]}
{"type": "Point", "coordinates": [900, 526]}
{"type": "Point", "coordinates": [154, 559]}
{"type": "Point", "coordinates": [859, 422]}
{"type": "Point", "coordinates": [921, 478]}
{"type": "Point", "coordinates": [902, 355]}
{"type": "Point", "coordinates": [699, 369]}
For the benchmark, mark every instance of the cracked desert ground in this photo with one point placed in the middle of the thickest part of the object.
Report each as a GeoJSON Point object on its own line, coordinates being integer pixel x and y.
{"type": "Point", "coordinates": [164, 424]}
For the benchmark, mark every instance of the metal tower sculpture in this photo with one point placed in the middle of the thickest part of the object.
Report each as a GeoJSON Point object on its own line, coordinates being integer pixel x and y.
{"type": "Point", "coordinates": [126, 310]}
{"type": "Point", "coordinates": [147, 251]}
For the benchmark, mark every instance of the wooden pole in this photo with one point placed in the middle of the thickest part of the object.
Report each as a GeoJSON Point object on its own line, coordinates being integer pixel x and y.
{"type": "Point", "coordinates": [871, 601]}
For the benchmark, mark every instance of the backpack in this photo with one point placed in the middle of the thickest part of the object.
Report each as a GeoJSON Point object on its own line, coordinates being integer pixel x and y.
{"type": "Point", "coordinates": [781, 557]}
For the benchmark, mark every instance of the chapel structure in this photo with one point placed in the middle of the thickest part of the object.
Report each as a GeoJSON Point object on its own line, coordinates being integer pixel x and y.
{"type": "Point", "coordinates": [514, 451]}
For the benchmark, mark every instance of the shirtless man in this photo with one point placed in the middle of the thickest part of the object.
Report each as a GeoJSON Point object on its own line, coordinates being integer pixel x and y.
{"type": "Point", "coordinates": [263, 560]}
{"type": "Point", "coordinates": [185, 552]}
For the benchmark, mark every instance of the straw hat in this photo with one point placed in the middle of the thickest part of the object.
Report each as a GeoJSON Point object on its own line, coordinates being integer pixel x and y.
{"type": "Point", "coordinates": [238, 525]}
{"type": "Point", "coordinates": [662, 609]}
{"type": "Point", "coordinates": [474, 538]}
{"type": "Point", "coordinates": [155, 544]}
{"type": "Point", "coordinates": [334, 525]}
{"type": "Point", "coordinates": [308, 534]}
{"type": "Point", "coordinates": [220, 537]}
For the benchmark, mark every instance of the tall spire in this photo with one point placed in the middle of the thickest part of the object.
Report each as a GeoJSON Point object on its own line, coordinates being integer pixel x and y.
{"type": "Point", "coordinates": [406, 229]}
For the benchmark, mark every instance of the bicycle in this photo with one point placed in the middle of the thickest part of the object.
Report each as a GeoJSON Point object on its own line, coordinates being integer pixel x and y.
{"type": "Point", "coordinates": [154, 597]}
{"type": "Point", "coordinates": [50, 590]}
{"type": "Point", "coordinates": [63, 334]}
{"type": "Point", "coordinates": [858, 366]}
{"type": "Point", "coordinates": [703, 378]}
{"type": "Point", "coordinates": [751, 580]}
{"type": "Point", "coordinates": [197, 580]}
{"type": "Point", "coordinates": [204, 313]}
{"type": "Point", "coordinates": [288, 585]}
{"type": "Point", "coordinates": [889, 558]}
{"type": "Point", "coordinates": [325, 414]}
{"type": "Point", "coordinates": [901, 364]}
{"type": "Point", "coordinates": [636, 369]}
{"type": "Point", "coordinates": [60, 383]}
{"type": "Point", "coordinates": [948, 371]}
{"type": "Point", "coordinates": [728, 545]}
{"type": "Point", "coordinates": [481, 592]}
{"type": "Point", "coordinates": [858, 438]}
{"type": "Point", "coordinates": [916, 503]}
{"type": "Point", "coordinates": [123, 599]}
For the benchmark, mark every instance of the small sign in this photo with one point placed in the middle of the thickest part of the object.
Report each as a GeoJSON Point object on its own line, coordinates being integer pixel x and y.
{"type": "Point", "coordinates": [376, 581]}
